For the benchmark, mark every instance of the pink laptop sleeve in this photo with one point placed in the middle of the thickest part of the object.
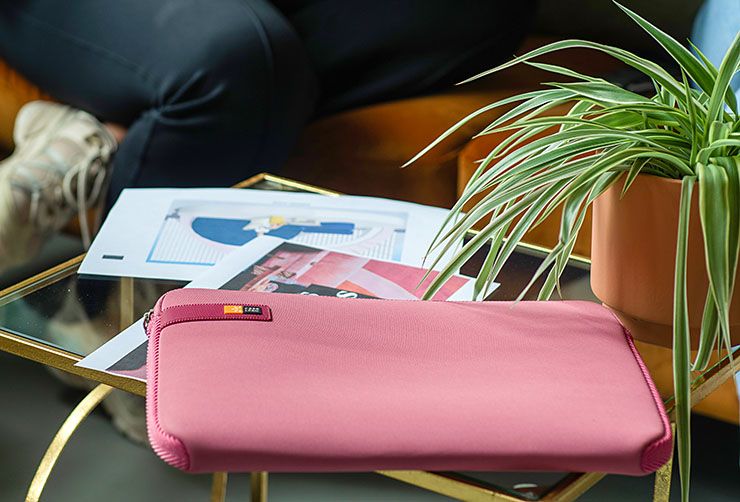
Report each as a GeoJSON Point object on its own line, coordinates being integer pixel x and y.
{"type": "Point", "coordinates": [242, 381]}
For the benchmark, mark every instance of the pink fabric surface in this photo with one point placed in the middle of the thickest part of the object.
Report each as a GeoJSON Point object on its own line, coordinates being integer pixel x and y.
{"type": "Point", "coordinates": [333, 384]}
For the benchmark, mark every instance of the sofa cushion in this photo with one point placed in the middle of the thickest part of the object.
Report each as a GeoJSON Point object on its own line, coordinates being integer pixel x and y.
{"type": "Point", "coordinates": [15, 91]}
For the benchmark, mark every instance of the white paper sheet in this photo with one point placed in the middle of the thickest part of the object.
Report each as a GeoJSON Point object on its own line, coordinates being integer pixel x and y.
{"type": "Point", "coordinates": [178, 233]}
{"type": "Point", "coordinates": [125, 354]}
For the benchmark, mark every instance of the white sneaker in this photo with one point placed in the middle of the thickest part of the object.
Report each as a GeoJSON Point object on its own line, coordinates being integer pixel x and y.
{"type": "Point", "coordinates": [59, 168]}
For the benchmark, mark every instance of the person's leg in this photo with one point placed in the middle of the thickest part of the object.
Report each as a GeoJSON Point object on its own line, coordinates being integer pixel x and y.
{"type": "Point", "coordinates": [212, 91]}
{"type": "Point", "coordinates": [369, 51]}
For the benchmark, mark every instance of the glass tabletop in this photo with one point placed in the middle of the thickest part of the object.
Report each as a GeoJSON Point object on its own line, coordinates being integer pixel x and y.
{"type": "Point", "coordinates": [59, 316]}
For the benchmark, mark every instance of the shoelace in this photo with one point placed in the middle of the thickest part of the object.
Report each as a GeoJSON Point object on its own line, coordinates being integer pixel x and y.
{"type": "Point", "coordinates": [81, 183]}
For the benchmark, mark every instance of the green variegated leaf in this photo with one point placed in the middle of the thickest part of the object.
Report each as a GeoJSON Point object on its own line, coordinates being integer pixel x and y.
{"type": "Point", "coordinates": [521, 227]}
{"type": "Point", "coordinates": [715, 220]}
{"type": "Point", "coordinates": [484, 276]}
{"type": "Point", "coordinates": [682, 341]}
{"type": "Point", "coordinates": [533, 156]}
{"type": "Point", "coordinates": [688, 62]}
{"type": "Point", "coordinates": [474, 244]}
{"type": "Point", "coordinates": [461, 123]}
{"type": "Point", "coordinates": [727, 70]}
{"type": "Point", "coordinates": [705, 60]}
{"type": "Point", "coordinates": [603, 93]}
{"type": "Point", "coordinates": [572, 217]}
{"type": "Point", "coordinates": [731, 167]}
{"type": "Point", "coordinates": [709, 333]}
{"type": "Point", "coordinates": [567, 72]}
{"type": "Point", "coordinates": [649, 68]}
{"type": "Point", "coordinates": [543, 100]}
{"type": "Point", "coordinates": [636, 168]}
{"type": "Point", "coordinates": [692, 117]}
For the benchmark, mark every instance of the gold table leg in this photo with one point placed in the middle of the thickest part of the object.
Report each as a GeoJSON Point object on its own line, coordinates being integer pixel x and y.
{"type": "Point", "coordinates": [450, 487]}
{"type": "Point", "coordinates": [61, 438]}
{"type": "Point", "coordinates": [574, 486]}
{"type": "Point", "coordinates": [662, 490]}
{"type": "Point", "coordinates": [259, 486]}
{"type": "Point", "coordinates": [127, 302]}
{"type": "Point", "coordinates": [567, 490]}
{"type": "Point", "coordinates": [218, 487]}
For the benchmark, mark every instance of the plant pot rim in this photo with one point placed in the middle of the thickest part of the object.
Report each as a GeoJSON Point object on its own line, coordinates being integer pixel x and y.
{"type": "Point", "coordinates": [660, 179]}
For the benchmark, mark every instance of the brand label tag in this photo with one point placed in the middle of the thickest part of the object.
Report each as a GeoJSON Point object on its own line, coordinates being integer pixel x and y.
{"type": "Point", "coordinates": [243, 309]}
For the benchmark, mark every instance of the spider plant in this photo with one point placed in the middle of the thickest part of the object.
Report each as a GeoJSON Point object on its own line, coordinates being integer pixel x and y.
{"type": "Point", "coordinates": [687, 130]}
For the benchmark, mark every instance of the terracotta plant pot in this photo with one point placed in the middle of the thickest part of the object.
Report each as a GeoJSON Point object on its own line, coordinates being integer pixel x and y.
{"type": "Point", "coordinates": [633, 255]}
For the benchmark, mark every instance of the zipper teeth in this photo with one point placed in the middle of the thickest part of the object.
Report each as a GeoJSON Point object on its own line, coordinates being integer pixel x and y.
{"type": "Point", "coordinates": [169, 447]}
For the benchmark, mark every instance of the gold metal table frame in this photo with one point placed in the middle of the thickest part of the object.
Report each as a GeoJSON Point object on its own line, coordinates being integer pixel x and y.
{"type": "Point", "coordinates": [449, 484]}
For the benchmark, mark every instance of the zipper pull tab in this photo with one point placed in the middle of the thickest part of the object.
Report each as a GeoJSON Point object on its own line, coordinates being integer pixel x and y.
{"type": "Point", "coordinates": [147, 318]}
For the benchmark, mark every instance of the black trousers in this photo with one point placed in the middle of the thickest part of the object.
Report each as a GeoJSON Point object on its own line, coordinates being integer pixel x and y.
{"type": "Point", "coordinates": [213, 91]}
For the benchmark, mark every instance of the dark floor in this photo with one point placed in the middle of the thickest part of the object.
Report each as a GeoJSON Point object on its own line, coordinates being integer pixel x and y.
{"type": "Point", "coordinates": [100, 465]}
